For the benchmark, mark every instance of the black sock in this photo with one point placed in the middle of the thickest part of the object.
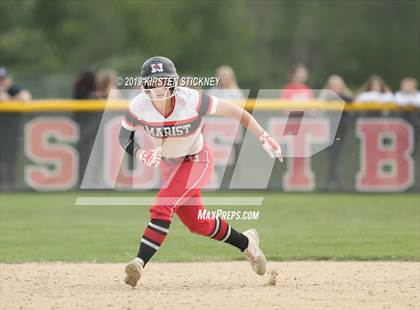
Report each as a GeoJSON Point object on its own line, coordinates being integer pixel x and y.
{"type": "Point", "coordinates": [152, 239]}
{"type": "Point", "coordinates": [222, 231]}
{"type": "Point", "coordinates": [237, 239]}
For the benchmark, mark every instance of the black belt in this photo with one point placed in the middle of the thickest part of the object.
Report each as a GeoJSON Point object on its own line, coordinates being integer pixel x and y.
{"type": "Point", "coordinates": [174, 160]}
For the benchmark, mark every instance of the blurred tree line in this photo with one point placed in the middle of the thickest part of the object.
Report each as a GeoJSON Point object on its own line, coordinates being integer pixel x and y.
{"type": "Point", "coordinates": [260, 40]}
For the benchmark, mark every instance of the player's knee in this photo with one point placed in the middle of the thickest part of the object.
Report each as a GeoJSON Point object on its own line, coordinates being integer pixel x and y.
{"type": "Point", "coordinates": [157, 212]}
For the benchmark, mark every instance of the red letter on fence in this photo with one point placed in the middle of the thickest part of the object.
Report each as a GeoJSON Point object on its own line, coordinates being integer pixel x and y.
{"type": "Point", "coordinates": [385, 154]}
{"type": "Point", "coordinates": [62, 158]}
{"type": "Point", "coordinates": [306, 134]}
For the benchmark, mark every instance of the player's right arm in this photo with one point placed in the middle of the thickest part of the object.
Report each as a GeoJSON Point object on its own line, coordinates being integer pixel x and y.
{"type": "Point", "coordinates": [225, 108]}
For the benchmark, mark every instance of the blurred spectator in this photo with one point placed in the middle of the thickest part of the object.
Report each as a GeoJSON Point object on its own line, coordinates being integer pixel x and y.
{"type": "Point", "coordinates": [375, 90]}
{"type": "Point", "coordinates": [408, 93]}
{"type": "Point", "coordinates": [10, 131]}
{"type": "Point", "coordinates": [106, 84]}
{"type": "Point", "coordinates": [84, 86]}
{"type": "Point", "coordinates": [11, 91]}
{"type": "Point", "coordinates": [336, 87]}
{"type": "Point", "coordinates": [228, 87]}
{"type": "Point", "coordinates": [297, 89]}
{"type": "Point", "coordinates": [102, 85]}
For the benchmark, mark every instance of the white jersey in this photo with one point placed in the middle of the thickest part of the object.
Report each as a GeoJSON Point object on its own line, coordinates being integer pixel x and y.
{"type": "Point", "coordinates": [373, 96]}
{"type": "Point", "coordinates": [404, 99]}
{"type": "Point", "coordinates": [178, 132]}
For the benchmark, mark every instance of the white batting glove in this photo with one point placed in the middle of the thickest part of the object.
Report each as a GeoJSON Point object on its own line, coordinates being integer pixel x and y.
{"type": "Point", "coordinates": [270, 146]}
{"type": "Point", "coordinates": [150, 158]}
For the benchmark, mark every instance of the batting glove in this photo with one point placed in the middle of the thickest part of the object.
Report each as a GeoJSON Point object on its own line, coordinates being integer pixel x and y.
{"type": "Point", "coordinates": [150, 158]}
{"type": "Point", "coordinates": [270, 146]}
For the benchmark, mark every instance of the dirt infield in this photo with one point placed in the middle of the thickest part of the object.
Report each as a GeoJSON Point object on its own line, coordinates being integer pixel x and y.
{"type": "Point", "coordinates": [228, 285]}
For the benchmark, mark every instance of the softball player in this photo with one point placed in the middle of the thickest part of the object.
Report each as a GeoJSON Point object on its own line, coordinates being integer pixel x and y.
{"type": "Point", "coordinates": [171, 116]}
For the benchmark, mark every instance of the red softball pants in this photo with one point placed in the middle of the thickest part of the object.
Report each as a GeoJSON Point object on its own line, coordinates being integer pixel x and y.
{"type": "Point", "coordinates": [181, 192]}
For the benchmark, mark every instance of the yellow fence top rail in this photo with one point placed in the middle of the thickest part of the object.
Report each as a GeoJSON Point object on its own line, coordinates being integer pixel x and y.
{"type": "Point", "coordinates": [57, 105]}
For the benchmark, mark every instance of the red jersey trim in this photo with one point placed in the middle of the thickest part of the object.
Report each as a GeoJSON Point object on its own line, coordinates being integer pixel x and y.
{"type": "Point", "coordinates": [171, 123]}
{"type": "Point", "coordinates": [133, 115]}
{"type": "Point", "coordinates": [128, 122]}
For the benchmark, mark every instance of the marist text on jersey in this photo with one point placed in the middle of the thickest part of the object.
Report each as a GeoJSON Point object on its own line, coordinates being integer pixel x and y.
{"type": "Point", "coordinates": [168, 131]}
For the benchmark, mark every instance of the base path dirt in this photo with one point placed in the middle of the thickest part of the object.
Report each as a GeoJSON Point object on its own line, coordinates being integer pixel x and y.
{"type": "Point", "coordinates": [225, 285]}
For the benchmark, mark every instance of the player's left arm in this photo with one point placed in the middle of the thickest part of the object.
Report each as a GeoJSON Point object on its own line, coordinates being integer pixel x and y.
{"type": "Point", "coordinates": [227, 109]}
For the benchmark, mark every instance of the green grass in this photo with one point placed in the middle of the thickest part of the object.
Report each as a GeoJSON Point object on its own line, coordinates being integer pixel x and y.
{"type": "Point", "coordinates": [48, 227]}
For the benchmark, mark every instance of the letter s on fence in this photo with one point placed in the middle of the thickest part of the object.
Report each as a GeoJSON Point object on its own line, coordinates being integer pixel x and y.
{"type": "Point", "coordinates": [55, 163]}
